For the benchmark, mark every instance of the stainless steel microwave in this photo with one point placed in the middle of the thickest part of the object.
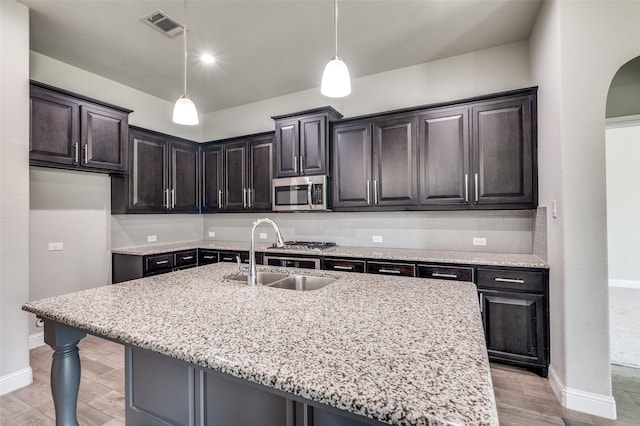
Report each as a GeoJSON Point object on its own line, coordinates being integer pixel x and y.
{"type": "Point", "coordinates": [303, 193]}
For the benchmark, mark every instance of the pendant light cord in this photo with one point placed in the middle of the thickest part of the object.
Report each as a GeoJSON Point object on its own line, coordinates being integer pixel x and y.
{"type": "Point", "coordinates": [185, 47]}
{"type": "Point", "coordinates": [335, 24]}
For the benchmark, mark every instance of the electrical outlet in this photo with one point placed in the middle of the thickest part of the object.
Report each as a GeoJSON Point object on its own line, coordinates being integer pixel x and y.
{"type": "Point", "coordinates": [152, 238]}
{"type": "Point", "coordinates": [479, 241]}
{"type": "Point", "coordinates": [212, 234]}
{"type": "Point", "coordinates": [263, 235]}
{"type": "Point", "coordinates": [56, 246]}
{"type": "Point", "coordinates": [554, 209]}
{"type": "Point", "coordinates": [376, 238]}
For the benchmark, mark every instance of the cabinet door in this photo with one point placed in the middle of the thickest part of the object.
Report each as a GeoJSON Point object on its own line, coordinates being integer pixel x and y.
{"type": "Point", "coordinates": [395, 162]}
{"type": "Point", "coordinates": [184, 177]}
{"type": "Point", "coordinates": [212, 174]}
{"type": "Point", "coordinates": [148, 177]}
{"type": "Point", "coordinates": [351, 165]}
{"type": "Point", "coordinates": [514, 325]}
{"type": "Point", "coordinates": [54, 128]}
{"type": "Point", "coordinates": [235, 176]}
{"type": "Point", "coordinates": [503, 158]}
{"type": "Point", "coordinates": [260, 173]}
{"type": "Point", "coordinates": [444, 157]}
{"type": "Point", "coordinates": [287, 148]}
{"type": "Point", "coordinates": [313, 145]}
{"type": "Point", "coordinates": [104, 138]}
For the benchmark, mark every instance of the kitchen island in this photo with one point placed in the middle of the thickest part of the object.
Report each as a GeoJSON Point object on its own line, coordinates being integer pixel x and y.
{"type": "Point", "coordinates": [363, 350]}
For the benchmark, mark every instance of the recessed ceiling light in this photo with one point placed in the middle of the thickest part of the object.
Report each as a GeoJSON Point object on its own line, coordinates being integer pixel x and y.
{"type": "Point", "coordinates": [207, 58]}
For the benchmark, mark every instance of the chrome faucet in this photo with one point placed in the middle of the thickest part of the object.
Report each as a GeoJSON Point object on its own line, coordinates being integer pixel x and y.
{"type": "Point", "coordinates": [253, 272]}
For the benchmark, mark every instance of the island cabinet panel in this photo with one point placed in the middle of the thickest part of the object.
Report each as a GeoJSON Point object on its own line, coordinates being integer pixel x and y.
{"type": "Point", "coordinates": [503, 152]}
{"type": "Point", "coordinates": [351, 165]}
{"type": "Point", "coordinates": [302, 142]}
{"type": "Point", "coordinates": [212, 166]}
{"type": "Point", "coordinates": [163, 175]}
{"type": "Point", "coordinates": [71, 132]}
{"type": "Point", "coordinates": [514, 307]}
{"type": "Point", "coordinates": [444, 166]}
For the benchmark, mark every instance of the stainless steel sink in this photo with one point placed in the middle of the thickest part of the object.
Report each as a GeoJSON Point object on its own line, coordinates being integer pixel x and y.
{"type": "Point", "coordinates": [262, 278]}
{"type": "Point", "coordinates": [301, 282]}
{"type": "Point", "coordinates": [285, 281]}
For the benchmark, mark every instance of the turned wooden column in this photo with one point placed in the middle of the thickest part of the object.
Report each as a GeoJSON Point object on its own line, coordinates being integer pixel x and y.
{"type": "Point", "coordinates": [65, 370]}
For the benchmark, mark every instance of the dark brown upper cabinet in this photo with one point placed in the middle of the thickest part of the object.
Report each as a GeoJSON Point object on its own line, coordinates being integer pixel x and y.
{"type": "Point", "coordinates": [237, 173]}
{"type": "Point", "coordinates": [374, 163]}
{"type": "Point", "coordinates": [71, 132]}
{"type": "Point", "coordinates": [163, 176]}
{"type": "Point", "coordinates": [302, 142]}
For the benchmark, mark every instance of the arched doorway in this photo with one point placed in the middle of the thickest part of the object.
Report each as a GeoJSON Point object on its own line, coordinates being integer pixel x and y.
{"type": "Point", "coordinates": [622, 142]}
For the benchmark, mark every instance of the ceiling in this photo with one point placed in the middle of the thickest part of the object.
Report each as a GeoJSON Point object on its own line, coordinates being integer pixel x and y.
{"type": "Point", "coordinates": [266, 48]}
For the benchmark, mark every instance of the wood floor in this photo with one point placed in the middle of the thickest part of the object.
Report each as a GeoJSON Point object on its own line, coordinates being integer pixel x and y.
{"type": "Point", "coordinates": [523, 398]}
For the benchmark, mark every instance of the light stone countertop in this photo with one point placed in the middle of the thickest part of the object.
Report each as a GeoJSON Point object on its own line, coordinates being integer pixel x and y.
{"type": "Point", "coordinates": [399, 254]}
{"type": "Point", "coordinates": [399, 350]}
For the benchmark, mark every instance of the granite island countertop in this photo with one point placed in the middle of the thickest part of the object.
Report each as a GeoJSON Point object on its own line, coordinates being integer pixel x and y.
{"type": "Point", "coordinates": [520, 260]}
{"type": "Point", "coordinates": [399, 350]}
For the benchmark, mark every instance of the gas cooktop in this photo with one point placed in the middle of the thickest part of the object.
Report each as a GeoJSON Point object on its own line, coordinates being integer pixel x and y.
{"type": "Point", "coordinates": [308, 245]}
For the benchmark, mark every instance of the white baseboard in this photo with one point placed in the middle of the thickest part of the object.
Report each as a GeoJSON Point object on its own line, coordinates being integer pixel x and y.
{"type": "Point", "coordinates": [625, 284]}
{"type": "Point", "coordinates": [16, 380]}
{"type": "Point", "coordinates": [36, 340]}
{"type": "Point", "coordinates": [586, 402]}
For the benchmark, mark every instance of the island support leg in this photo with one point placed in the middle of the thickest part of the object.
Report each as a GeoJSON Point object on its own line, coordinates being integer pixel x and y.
{"type": "Point", "coordinates": [65, 370]}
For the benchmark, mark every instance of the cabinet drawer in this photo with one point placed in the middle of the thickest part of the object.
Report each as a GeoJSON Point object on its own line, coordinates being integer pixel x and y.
{"type": "Point", "coordinates": [158, 262]}
{"type": "Point", "coordinates": [185, 258]}
{"type": "Point", "coordinates": [344, 265]}
{"type": "Point", "coordinates": [230, 256]}
{"type": "Point", "coordinates": [440, 272]}
{"type": "Point", "coordinates": [206, 257]}
{"type": "Point", "coordinates": [510, 279]}
{"type": "Point", "coordinates": [388, 268]}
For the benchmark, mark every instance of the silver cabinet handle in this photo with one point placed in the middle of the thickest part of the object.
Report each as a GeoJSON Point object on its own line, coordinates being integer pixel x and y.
{"type": "Point", "coordinates": [476, 178]}
{"type": "Point", "coordinates": [344, 268]}
{"type": "Point", "coordinates": [375, 192]}
{"type": "Point", "coordinates": [161, 262]}
{"type": "Point", "coordinates": [389, 271]}
{"type": "Point", "coordinates": [509, 280]}
{"type": "Point", "coordinates": [208, 256]}
{"type": "Point", "coordinates": [295, 164]}
{"type": "Point", "coordinates": [438, 274]}
{"type": "Point", "coordinates": [219, 198]}
{"type": "Point", "coordinates": [187, 257]}
{"type": "Point", "coordinates": [166, 197]}
{"type": "Point", "coordinates": [368, 192]}
{"type": "Point", "coordinates": [251, 192]}
{"type": "Point", "coordinates": [466, 187]}
{"type": "Point", "coordinates": [481, 303]}
{"type": "Point", "coordinates": [173, 198]}
{"type": "Point", "coordinates": [301, 164]}
{"type": "Point", "coordinates": [309, 187]}
{"type": "Point", "coordinates": [85, 152]}
{"type": "Point", "coordinates": [244, 197]}
{"type": "Point", "coordinates": [75, 155]}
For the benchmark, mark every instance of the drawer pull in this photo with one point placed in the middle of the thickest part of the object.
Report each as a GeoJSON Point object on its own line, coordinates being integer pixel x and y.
{"type": "Point", "coordinates": [389, 271]}
{"type": "Point", "coordinates": [509, 280]}
{"type": "Point", "coordinates": [441, 275]}
{"type": "Point", "coordinates": [208, 257]}
{"type": "Point", "coordinates": [228, 259]}
{"type": "Point", "coordinates": [344, 268]}
{"type": "Point", "coordinates": [161, 262]}
{"type": "Point", "coordinates": [187, 257]}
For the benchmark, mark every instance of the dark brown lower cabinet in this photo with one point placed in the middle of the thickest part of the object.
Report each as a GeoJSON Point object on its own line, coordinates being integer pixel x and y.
{"type": "Point", "coordinates": [162, 390]}
{"type": "Point", "coordinates": [126, 267]}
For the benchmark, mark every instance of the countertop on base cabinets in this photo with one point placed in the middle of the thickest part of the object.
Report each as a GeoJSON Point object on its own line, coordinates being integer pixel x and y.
{"type": "Point", "coordinates": [398, 350]}
{"type": "Point", "coordinates": [414, 255]}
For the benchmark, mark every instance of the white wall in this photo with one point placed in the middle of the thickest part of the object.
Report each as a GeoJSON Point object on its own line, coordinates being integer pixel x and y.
{"type": "Point", "coordinates": [14, 195]}
{"type": "Point", "coordinates": [477, 73]}
{"type": "Point", "coordinates": [598, 36]}
{"type": "Point", "coordinates": [623, 202]}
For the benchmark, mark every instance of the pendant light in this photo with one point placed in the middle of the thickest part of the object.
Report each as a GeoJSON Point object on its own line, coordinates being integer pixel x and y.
{"type": "Point", "coordinates": [336, 82]}
{"type": "Point", "coordinates": [184, 111]}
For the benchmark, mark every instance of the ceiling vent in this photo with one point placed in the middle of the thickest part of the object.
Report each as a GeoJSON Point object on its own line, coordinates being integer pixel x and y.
{"type": "Point", "coordinates": [161, 22]}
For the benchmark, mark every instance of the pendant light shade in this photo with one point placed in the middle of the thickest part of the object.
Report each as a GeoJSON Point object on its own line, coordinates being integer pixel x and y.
{"type": "Point", "coordinates": [336, 81]}
{"type": "Point", "coordinates": [184, 111]}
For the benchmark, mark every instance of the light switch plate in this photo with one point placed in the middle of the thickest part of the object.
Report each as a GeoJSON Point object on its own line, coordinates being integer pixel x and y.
{"type": "Point", "coordinates": [212, 234]}
{"type": "Point", "coordinates": [263, 235]}
{"type": "Point", "coordinates": [152, 238]}
{"type": "Point", "coordinates": [477, 241]}
{"type": "Point", "coordinates": [56, 246]}
{"type": "Point", "coordinates": [376, 238]}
